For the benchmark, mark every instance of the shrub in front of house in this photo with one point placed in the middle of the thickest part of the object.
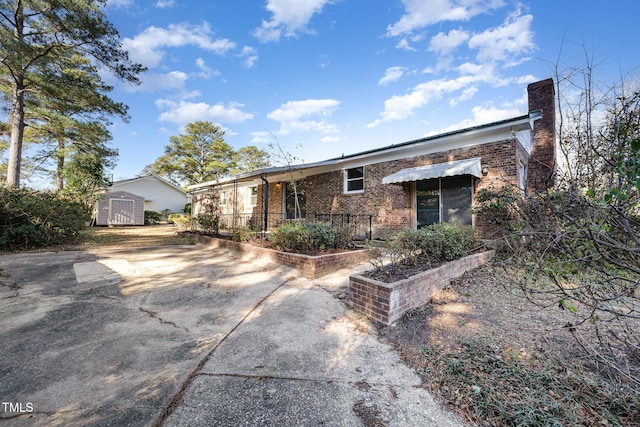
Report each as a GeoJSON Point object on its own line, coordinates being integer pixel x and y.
{"type": "Point", "coordinates": [182, 222]}
{"type": "Point", "coordinates": [31, 219]}
{"type": "Point", "coordinates": [445, 242]}
{"type": "Point", "coordinates": [209, 223]}
{"type": "Point", "coordinates": [300, 236]}
{"type": "Point", "coordinates": [152, 217]}
{"type": "Point", "coordinates": [421, 249]}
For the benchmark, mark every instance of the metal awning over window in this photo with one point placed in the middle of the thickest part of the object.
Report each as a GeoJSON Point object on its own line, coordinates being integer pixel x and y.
{"type": "Point", "coordinates": [439, 170]}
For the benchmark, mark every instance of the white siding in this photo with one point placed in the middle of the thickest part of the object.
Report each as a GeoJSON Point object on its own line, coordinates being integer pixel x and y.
{"type": "Point", "coordinates": [157, 194]}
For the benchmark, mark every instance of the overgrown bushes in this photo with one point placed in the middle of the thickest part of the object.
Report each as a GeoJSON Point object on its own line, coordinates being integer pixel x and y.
{"type": "Point", "coordinates": [425, 247]}
{"type": "Point", "coordinates": [152, 217]}
{"type": "Point", "coordinates": [300, 236]}
{"type": "Point", "coordinates": [31, 219]}
{"type": "Point", "coordinates": [580, 252]}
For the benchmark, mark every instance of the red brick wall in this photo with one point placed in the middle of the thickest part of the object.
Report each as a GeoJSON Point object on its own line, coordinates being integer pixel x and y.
{"type": "Point", "coordinates": [543, 153]}
{"type": "Point", "coordinates": [387, 302]}
{"type": "Point", "coordinates": [392, 204]}
{"type": "Point", "coordinates": [309, 266]}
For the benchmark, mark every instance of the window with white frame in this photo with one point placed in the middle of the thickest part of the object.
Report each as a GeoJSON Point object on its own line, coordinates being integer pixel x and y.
{"type": "Point", "coordinates": [223, 198]}
{"type": "Point", "coordinates": [354, 180]}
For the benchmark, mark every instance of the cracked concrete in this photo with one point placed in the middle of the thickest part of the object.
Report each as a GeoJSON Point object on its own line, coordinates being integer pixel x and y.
{"type": "Point", "coordinates": [188, 336]}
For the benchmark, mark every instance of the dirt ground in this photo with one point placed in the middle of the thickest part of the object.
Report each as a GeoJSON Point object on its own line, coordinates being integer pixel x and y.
{"type": "Point", "coordinates": [496, 359]}
{"type": "Point", "coordinates": [478, 305]}
{"type": "Point", "coordinates": [136, 236]}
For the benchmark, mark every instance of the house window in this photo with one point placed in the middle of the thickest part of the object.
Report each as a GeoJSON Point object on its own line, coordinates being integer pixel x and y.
{"type": "Point", "coordinates": [447, 199]}
{"type": "Point", "coordinates": [223, 198]}
{"type": "Point", "coordinates": [253, 196]}
{"type": "Point", "coordinates": [295, 200]}
{"type": "Point", "coordinates": [354, 180]}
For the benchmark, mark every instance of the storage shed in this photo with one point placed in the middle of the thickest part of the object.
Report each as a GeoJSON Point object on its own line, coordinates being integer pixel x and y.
{"type": "Point", "coordinates": [119, 208]}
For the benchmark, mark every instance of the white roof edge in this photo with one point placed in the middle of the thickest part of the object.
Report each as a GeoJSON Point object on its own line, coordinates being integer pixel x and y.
{"type": "Point", "coordinates": [138, 178]}
{"type": "Point", "coordinates": [507, 124]}
{"type": "Point", "coordinates": [256, 173]}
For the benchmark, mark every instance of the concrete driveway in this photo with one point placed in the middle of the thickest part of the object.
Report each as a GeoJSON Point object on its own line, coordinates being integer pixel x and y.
{"type": "Point", "coordinates": [189, 336]}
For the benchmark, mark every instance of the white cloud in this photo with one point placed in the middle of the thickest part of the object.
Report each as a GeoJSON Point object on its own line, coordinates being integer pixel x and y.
{"type": "Point", "coordinates": [422, 13]}
{"type": "Point", "coordinates": [295, 110]}
{"type": "Point", "coordinates": [445, 43]}
{"type": "Point", "coordinates": [288, 18]}
{"type": "Point", "coordinates": [391, 75]}
{"type": "Point", "coordinates": [404, 45]}
{"type": "Point", "coordinates": [511, 39]}
{"type": "Point", "coordinates": [119, 3]}
{"type": "Point", "coordinates": [401, 107]}
{"type": "Point", "coordinates": [261, 137]}
{"type": "Point", "coordinates": [151, 82]}
{"type": "Point", "coordinates": [146, 47]}
{"type": "Point", "coordinates": [466, 95]}
{"type": "Point", "coordinates": [483, 115]}
{"type": "Point", "coordinates": [183, 112]}
{"type": "Point", "coordinates": [299, 116]}
{"type": "Point", "coordinates": [250, 56]}
{"type": "Point", "coordinates": [205, 72]}
{"type": "Point", "coordinates": [163, 4]}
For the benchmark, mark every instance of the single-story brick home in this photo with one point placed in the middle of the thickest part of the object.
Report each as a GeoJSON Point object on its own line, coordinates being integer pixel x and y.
{"type": "Point", "coordinates": [411, 184]}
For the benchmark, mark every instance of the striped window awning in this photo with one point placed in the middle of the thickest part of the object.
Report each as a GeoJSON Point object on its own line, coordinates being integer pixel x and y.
{"type": "Point", "coordinates": [438, 170]}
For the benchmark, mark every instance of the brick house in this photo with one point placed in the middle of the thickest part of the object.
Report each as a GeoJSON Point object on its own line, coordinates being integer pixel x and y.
{"type": "Point", "coordinates": [411, 184]}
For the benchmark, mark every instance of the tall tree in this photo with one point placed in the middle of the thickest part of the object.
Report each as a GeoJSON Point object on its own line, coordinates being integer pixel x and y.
{"type": "Point", "coordinates": [196, 156]}
{"type": "Point", "coordinates": [250, 158]}
{"type": "Point", "coordinates": [73, 118]}
{"type": "Point", "coordinates": [201, 155]}
{"type": "Point", "coordinates": [38, 34]}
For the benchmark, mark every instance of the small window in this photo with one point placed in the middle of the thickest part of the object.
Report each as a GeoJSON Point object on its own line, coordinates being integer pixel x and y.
{"type": "Point", "coordinates": [223, 198]}
{"type": "Point", "coordinates": [253, 196]}
{"type": "Point", "coordinates": [354, 180]}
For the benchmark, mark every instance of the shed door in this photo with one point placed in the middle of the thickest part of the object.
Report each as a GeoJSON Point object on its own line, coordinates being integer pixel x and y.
{"type": "Point", "coordinates": [121, 212]}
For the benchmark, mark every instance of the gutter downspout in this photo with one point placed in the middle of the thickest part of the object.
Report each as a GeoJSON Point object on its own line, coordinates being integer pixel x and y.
{"type": "Point", "coordinates": [265, 194]}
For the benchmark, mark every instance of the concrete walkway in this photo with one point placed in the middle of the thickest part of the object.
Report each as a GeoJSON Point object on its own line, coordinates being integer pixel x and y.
{"type": "Point", "coordinates": [186, 336]}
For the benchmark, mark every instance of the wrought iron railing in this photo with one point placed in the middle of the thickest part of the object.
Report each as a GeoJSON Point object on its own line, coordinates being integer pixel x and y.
{"type": "Point", "coordinates": [359, 225]}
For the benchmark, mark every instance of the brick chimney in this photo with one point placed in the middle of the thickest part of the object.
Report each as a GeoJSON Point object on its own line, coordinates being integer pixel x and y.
{"type": "Point", "coordinates": [542, 161]}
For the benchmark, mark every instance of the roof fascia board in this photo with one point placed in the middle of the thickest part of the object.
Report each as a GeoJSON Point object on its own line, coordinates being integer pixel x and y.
{"type": "Point", "coordinates": [466, 138]}
{"type": "Point", "coordinates": [430, 146]}
{"type": "Point", "coordinates": [144, 178]}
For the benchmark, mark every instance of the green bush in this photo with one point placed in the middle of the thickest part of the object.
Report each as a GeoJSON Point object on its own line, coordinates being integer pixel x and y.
{"type": "Point", "coordinates": [182, 222]}
{"type": "Point", "coordinates": [444, 242]}
{"type": "Point", "coordinates": [172, 217]}
{"type": "Point", "coordinates": [31, 219]}
{"type": "Point", "coordinates": [433, 244]}
{"type": "Point", "coordinates": [152, 217]}
{"type": "Point", "coordinates": [209, 223]}
{"type": "Point", "coordinates": [242, 234]}
{"type": "Point", "coordinates": [299, 236]}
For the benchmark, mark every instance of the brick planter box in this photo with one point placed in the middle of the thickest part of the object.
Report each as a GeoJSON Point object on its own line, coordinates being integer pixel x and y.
{"type": "Point", "coordinates": [387, 302]}
{"type": "Point", "coordinates": [309, 266]}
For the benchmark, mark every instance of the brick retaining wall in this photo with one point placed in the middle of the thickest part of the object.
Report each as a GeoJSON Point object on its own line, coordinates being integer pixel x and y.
{"type": "Point", "coordinates": [309, 266]}
{"type": "Point", "coordinates": [387, 302]}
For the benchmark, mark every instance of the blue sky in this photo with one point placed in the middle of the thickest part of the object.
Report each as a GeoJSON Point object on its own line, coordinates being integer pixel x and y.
{"type": "Point", "coordinates": [327, 77]}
